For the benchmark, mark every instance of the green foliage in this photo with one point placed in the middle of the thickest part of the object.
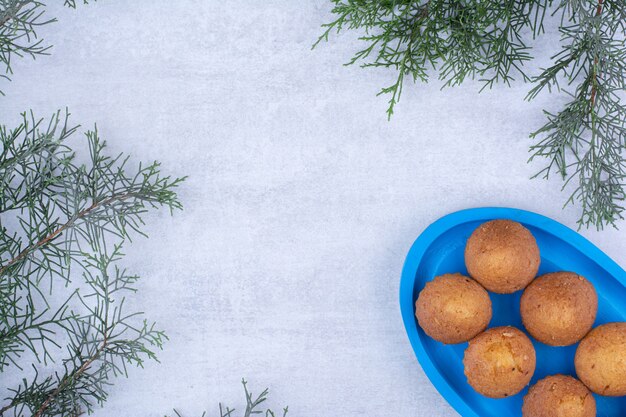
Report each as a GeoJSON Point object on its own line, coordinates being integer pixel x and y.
{"type": "Point", "coordinates": [490, 40]}
{"type": "Point", "coordinates": [19, 22]}
{"type": "Point", "coordinates": [61, 220]}
{"type": "Point", "coordinates": [459, 39]}
{"type": "Point", "coordinates": [253, 405]}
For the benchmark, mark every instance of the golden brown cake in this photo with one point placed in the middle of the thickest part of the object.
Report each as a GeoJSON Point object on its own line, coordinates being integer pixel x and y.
{"type": "Point", "coordinates": [499, 362]}
{"type": "Point", "coordinates": [559, 396]}
{"type": "Point", "coordinates": [453, 308]}
{"type": "Point", "coordinates": [502, 255]}
{"type": "Point", "coordinates": [601, 360]}
{"type": "Point", "coordinates": [559, 309]}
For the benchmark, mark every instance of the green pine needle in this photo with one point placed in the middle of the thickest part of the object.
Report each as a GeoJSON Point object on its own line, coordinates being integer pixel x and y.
{"type": "Point", "coordinates": [490, 40]}
{"type": "Point", "coordinates": [253, 406]}
{"type": "Point", "coordinates": [57, 216]}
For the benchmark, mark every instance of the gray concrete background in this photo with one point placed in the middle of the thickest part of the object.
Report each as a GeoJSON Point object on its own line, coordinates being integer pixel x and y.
{"type": "Point", "coordinates": [302, 199]}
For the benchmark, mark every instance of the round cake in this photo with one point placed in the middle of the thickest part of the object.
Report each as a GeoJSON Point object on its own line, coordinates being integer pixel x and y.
{"type": "Point", "coordinates": [559, 396]}
{"type": "Point", "coordinates": [499, 362]}
{"type": "Point", "coordinates": [502, 255]}
{"type": "Point", "coordinates": [601, 360]}
{"type": "Point", "coordinates": [453, 308]}
{"type": "Point", "coordinates": [559, 309]}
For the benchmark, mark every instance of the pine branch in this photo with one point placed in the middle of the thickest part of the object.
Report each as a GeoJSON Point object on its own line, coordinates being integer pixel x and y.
{"type": "Point", "coordinates": [460, 40]}
{"type": "Point", "coordinates": [65, 381]}
{"type": "Point", "coordinates": [491, 41]}
{"type": "Point", "coordinates": [584, 142]}
{"type": "Point", "coordinates": [22, 330]}
{"type": "Point", "coordinates": [594, 71]}
{"type": "Point", "coordinates": [64, 214]}
{"type": "Point", "coordinates": [252, 405]}
{"type": "Point", "coordinates": [69, 224]}
{"type": "Point", "coordinates": [19, 22]}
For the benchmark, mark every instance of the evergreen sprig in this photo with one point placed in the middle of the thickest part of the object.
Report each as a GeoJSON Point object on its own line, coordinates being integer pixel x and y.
{"type": "Point", "coordinates": [585, 141]}
{"type": "Point", "coordinates": [253, 405]}
{"type": "Point", "coordinates": [19, 23]}
{"type": "Point", "coordinates": [60, 219]}
{"type": "Point", "coordinates": [490, 40]}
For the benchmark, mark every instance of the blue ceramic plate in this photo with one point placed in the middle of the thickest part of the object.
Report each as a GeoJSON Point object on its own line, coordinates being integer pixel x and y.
{"type": "Point", "coordinates": [439, 250]}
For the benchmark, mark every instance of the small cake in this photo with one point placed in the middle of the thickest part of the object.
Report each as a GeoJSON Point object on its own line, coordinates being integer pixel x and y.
{"type": "Point", "coordinates": [601, 360]}
{"type": "Point", "coordinates": [453, 308]}
{"type": "Point", "coordinates": [559, 396]}
{"type": "Point", "coordinates": [499, 362]}
{"type": "Point", "coordinates": [559, 309]}
{"type": "Point", "coordinates": [502, 255]}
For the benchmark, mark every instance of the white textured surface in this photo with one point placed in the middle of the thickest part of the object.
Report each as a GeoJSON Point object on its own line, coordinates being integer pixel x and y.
{"type": "Point", "coordinates": [302, 200]}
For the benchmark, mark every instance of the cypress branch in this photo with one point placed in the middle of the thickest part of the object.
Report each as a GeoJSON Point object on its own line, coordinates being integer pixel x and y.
{"type": "Point", "coordinates": [57, 214]}
{"type": "Point", "coordinates": [491, 41]}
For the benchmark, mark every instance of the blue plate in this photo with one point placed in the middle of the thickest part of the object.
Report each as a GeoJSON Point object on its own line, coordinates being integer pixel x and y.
{"type": "Point", "coordinates": [440, 249]}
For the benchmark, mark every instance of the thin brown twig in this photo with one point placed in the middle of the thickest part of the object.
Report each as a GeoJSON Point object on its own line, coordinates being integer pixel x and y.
{"type": "Point", "coordinates": [11, 16]}
{"type": "Point", "coordinates": [5, 408]}
{"type": "Point", "coordinates": [62, 228]}
{"type": "Point", "coordinates": [65, 380]}
{"type": "Point", "coordinates": [594, 86]}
